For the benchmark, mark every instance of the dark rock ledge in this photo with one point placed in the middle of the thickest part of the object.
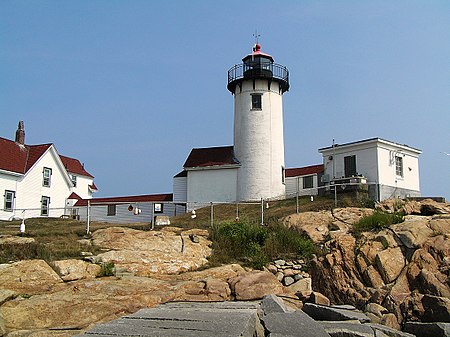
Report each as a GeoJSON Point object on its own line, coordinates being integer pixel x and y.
{"type": "Point", "coordinates": [267, 318]}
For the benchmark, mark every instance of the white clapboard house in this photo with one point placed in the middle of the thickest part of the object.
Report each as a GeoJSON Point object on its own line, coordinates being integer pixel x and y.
{"type": "Point", "coordinates": [36, 181]}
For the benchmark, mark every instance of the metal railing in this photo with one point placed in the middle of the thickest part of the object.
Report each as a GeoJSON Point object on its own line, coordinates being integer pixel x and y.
{"type": "Point", "coordinates": [274, 71]}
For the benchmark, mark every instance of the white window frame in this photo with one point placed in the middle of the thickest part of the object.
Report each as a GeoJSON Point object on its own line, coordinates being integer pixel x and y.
{"type": "Point", "coordinates": [307, 178]}
{"type": "Point", "coordinates": [257, 104]}
{"type": "Point", "coordinates": [399, 166]}
{"type": "Point", "coordinates": [45, 206]}
{"type": "Point", "coordinates": [46, 177]}
{"type": "Point", "coordinates": [9, 197]}
{"type": "Point", "coordinates": [74, 180]}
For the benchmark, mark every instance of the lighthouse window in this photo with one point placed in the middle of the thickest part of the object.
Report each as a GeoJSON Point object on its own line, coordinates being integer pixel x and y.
{"type": "Point", "coordinates": [256, 101]}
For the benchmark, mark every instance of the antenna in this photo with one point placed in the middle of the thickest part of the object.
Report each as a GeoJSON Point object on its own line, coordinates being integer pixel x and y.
{"type": "Point", "coordinates": [256, 36]}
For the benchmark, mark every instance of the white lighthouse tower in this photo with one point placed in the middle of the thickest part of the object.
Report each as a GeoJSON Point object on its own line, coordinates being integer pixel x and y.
{"type": "Point", "coordinates": [258, 85]}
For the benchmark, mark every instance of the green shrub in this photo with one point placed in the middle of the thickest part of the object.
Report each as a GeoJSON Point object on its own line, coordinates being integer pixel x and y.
{"type": "Point", "coordinates": [255, 245]}
{"type": "Point", "coordinates": [107, 269]}
{"type": "Point", "coordinates": [376, 222]}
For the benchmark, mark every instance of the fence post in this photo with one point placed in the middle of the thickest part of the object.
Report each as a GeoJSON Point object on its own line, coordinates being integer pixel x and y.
{"type": "Point", "coordinates": [88, 217]}
{"type": "Point", "coordinates": [212, 214]}
{"type": "Point", "coordinates": [262, 211]}
{"type": "Point", "coordinates": [297, 208]}
{"type": "Point", "coordinates": [237, 211]}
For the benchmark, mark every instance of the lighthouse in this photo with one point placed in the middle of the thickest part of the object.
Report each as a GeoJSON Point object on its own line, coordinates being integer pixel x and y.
{"type": "Point", "coordinates": [258, 85]}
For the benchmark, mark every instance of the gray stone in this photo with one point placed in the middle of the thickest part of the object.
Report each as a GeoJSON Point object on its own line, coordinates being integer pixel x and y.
{"type": "Point", "coordinates": [280, 263]}
{"type": "Point", "coordinates": [388, 331]}
{"type": "Point", "coordinates": [343, 306]}
{"type": "Point", "coordinates": [428, 329]}
{"type": "Point", "coordinates": [344, 329]}
{"type": "Point", "coordinates": [296, 323]}
{"type": "Point", "coordinates": [325, 313]}
{"type": "Point", "coordinates": [271, 304]}
{"type": "Point", "coordinates": [298, 277]}
{"type": "Point", "coordinates": [288, 281]}
{"type": "Point", "coordinates": [219, 319]}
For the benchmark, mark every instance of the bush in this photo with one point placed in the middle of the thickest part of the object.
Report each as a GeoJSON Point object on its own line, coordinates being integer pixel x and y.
{"type": "Point", "coordinates": [255, 245]}
{"type": "Point", "coordinates": [376, 222]}
{"type": "Point", "coordinates": [107, 269]}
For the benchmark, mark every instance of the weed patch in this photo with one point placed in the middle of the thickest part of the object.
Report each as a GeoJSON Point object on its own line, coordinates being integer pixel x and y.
{"type": "Point", "coordinates": [376, 222]}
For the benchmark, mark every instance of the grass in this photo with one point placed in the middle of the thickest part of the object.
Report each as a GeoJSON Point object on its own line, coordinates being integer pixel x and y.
{"type": "Point", "coordinates": [254, 245]}
{"type": "Point", "coordinates": [376, 222]}
{"type": "Point", "coordinates": [55, 239]}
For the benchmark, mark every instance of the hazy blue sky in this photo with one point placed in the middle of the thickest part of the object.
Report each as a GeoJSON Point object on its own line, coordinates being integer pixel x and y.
{"type": "Point", "coordinates": [130, 87]}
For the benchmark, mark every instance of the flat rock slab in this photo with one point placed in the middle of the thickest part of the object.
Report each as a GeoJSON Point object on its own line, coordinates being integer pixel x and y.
{"type": "Point", "coordinates": [342, 328]}
{"type": "Point", "coordinates": [428, 329]}
{"type": "Point", "coordinates": [218, 319]}
{"type": "Point", "coordinates": [295, 323]}
{"type": "Point", "coordinates": [324, 313]}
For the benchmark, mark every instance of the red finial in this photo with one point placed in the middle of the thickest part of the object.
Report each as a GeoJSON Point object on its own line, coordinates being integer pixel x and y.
{"type": "Point", "coordinates": [257, 48]}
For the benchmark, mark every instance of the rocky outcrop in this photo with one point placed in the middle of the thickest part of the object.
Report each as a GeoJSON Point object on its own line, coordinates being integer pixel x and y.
{"type": "Point", "coordinates": [404, 268]}
{"type": "Point", "coordinates": [144, 253]}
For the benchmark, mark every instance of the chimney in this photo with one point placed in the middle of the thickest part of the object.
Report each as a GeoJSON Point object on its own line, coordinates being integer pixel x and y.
{"type": "Point", "coordinates": [20, 134]}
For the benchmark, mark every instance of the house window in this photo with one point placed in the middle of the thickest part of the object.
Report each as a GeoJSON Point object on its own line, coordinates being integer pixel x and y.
{"type": "Point", "coordinates": [350, 166]}
{"type": "Point", "coordinates": [9, 201]}
{"type": "Point", "coordinates": [46, 175]}
{"type": "Point", "coordinates": [308, 182]}
{"type": "Point", "coordinates": [45, 206]}
{"type": "Point", "coordinates": [74, 180]}
{"type": "Point", "coordinates": [399, 166]}
{"type": "Point", "coordinates": [256, 101]}
{"type": "Point", "coordinates": [111, 210]}
{"type": "Point", "coordinates": [158, 208]}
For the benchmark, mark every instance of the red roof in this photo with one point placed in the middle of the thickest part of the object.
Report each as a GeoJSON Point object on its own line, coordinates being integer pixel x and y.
{"type": "Point", "coordinates": [19, 158]}
{"type": "Point", "coordinates": [73, 195]}
{"type": "Point", "coordinates": [211, 156]}
{"type": "Point", "coordinates": [126, 199]}
{"type": "Point", "coordinates": [303, 171]}
{"type": "Point", "coordinates": [73, 165]}
{"type": "Point", "coordinates": [93, 187]}
{"type": "Point", "coordinates": [257, 52]}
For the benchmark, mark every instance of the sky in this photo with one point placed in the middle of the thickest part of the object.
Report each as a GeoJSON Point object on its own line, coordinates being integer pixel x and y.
{"type": "Point", "coordinates": [130, 87]}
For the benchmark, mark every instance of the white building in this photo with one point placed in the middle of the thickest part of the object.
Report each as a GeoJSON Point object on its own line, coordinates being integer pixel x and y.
{"type": "Point", "coordinates": [254, 167]}
{"type": "Point", "coordinates": [36, 180]}
{"type": "Point", "coordinates": [389, 169]}
{"type": "Point", "coordinates": [303, 180]}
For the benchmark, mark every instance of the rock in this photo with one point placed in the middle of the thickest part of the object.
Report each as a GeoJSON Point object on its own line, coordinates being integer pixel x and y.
{"type": "Point", "coordinates": [28, 277]}
{"type": "Point", "coordinates": [313, 224]}
{"type": "Point", "coordinates": [351, 215]}
{"type": "Point", "coordinates": [255, 285]}
{"type": "Point", "coordinates": [279, 275]}
{"type": "Point", "coordinates": [223, 319]}
{"type": "Point", "coordinates": [373, 278]}
{"type": "Point", "coordinates": [390, 263]}
{"type": "Point", "coordinates": [431, 207]}
{"type": "Point", "coordinates": [271, 304]}
{"type": "Point", "coordinates": [389, 331]}
{"type": "Point", "coordinates": [280, 263]}
{"type": "Point", "coordinates": [194, 238]}
{"type": "Point", "coordinates": [292, 324]}
{"type": "Point", "coordinates": [432, 285]}
{"type": "Point", "coordinates": [390, 320]}
{"type": "Point", "coordinates": [376, 309]}
{"type": "Point", "coordinates": [303, 285]}
{"type": "Point", "coordinates": [288, 281]}
{"type": "Point", "coordinates": [6, 295]}
{"type": "Point", "coordinates": [318, 298]}
{"type": "Point", "coordinates": [428, 329]}
{"type": "Point", "coordinates": [343, 328]}
{"type": "Point", "coordinates": [324, 313]}
{"type": "Point", "coordinates": [93, 301]}
{"type": "Point", "coordinates": [414, 231]}
{"type": "Point", "coordinates": [144, 253]}
{"type": "Point", "coordinates": [437, 309]}
{"type": "Point", "coordinates": [203, 291]}
{"type": "Point", "coordinates": [71, 270]}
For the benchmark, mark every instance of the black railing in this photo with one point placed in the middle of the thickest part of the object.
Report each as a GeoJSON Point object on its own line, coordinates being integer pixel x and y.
{"type": "Point", "coordinates": [273, 71]}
